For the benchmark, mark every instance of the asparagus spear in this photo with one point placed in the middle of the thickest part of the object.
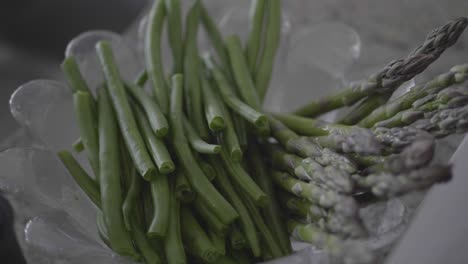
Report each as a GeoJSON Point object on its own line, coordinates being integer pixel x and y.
{"type": "Point", "coordinates": [316, 194]}
{"type": "Point", "coordinates": [303, 147]}
{"type": "Point", "coordinates": [397, 138]}
{"type": "Point", "coordinates": [302, 207]}
{"type": "Point", "coordinates": [309, 170]}
{"type": "Point", "coordinates": [445, 122]}
{"type": "Point", "coordinates": [418, 154]}
{"type": "Point", "coordinates": [406, 101]}
{"type": "Point", "coordinates": [353, 251]}
{"type": "Point", "coordinates": [393, 74]}
{"type": "Point", "coordinates": [363, 108]}
{"type": "Point", "coordinates": [387, 185]}
{"type": "Point", "coordinates": [449, 98]}
{"type": "Point", "coordinates": [334, 136]}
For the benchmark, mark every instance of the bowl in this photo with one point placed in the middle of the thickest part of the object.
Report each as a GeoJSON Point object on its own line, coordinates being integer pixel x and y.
{"type": "Point", "coordinates": [56, 221]}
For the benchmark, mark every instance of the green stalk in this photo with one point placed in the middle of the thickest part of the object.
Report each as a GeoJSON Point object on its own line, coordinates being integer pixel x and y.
{"type": "Point", "coordinates": [272, 213]}
{"type": "Point", "coordinates": [155, 146]}
{"type": "Point", "coordinates": [212, 222]}
{"type": "Point", "coordinates": [192, 69]}
{"type": "Point", "coordinates": [243, 180]}
{"type": "Point", "coordinates": [254, 40]}
{"type": "Point", "coordinates": [88, 124]}
{"type": "Point", "coordinates": [204, 189]}
{"type": "Point", "coordinates": [365, 108]}
{"type": "Point", "coordinates": [109, 182]}
{"type": "Point", "coordinates": [241, 72]}
{"type": "Point", "coordinates": [224, 184]}
{"type": "Point", "coordinates": [174, 31]}
{"type": "Point", "coordinates": [173, 244]}
{"type": "Point", "coordinates": [195, 239]}
{"type": "Point", "coordinates": [197, 143]}
{"type": "Point", "coordinates": [86, 183]}
{"type": "Point", "coordinates": [127, 123]}
{"type": "Point", "coordinates": [256, 118]}
{"type": "Point", "coordinates": [271, 44]}
{"type": "Point", "coordinates": [156, 118]}
{"type": "Point", "coordinates": [183, 190]}
{"type": "Point", "coordinates": [153, 54]}
{"type": "Point", "coordinates": [213, 109]}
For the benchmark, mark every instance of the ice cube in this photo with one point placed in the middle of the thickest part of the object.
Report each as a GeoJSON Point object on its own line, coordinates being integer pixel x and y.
{"type": "Point", "coordinates": [83, 48]}
{"type": "Point", "coordinates": [317, 60]}
{"type": "Point", "coordinates": [45, 109]}
{"type": "Point", "coordinates": [59, 236]}
{"type": "Point", "coordinates": [39, 181]}
{"type": "Point", "coordinates": [392, 217]}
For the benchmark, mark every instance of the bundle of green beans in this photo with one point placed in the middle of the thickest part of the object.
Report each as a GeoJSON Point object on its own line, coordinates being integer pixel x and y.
{"type": "Point", "coordinates": [195, 171]}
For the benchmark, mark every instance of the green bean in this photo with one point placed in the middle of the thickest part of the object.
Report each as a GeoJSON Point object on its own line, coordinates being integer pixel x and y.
{"type": "Point", "coordinates": [156, 146]}
{"type": "Point", "coordinates": [241, 72]}
{"type": "Point", "coordinates": [193, 93]}
{"type": "Point", "coordinates": [224, 184]}
{"type": "Point", "coordinates": [78, 145]}
{"type": "Point", "coordinates": [240, 127]}
{"type": "Point", "coordinates": [160, 194]}
{"type": "Point", "coordinates": [173, 245]}
{"type": "Point", "coordinates": [203, 187]}
{"type": "Point", "coordinates": [215, 36]}
{"type": "Point", "coordinates": [243, 179]}
{"type": "Point", "coordinates": [218, 240]}
{"type": "Point", "coordinates": [153, 54]}
{"type": "Point", "coordinates": [127, 123]}
{"type": "Point", "coordinates": [229, 136]}
{"type": "Point", "coordinates": [207, 169]}
{"type": "Point", "coordinates": [213, 109]}
{"type": "Point", "coordinates": [87, 122]}
{"type": "Point", "coordinates": [272, 41]}
{"type": "Point", "coordinates": [195, 239]}
{"type": "Point", "coordinates": [265, 232]}
{"type": "Point", "coordinates": [147, 205]}
{"type": "Point", "coordinates": [86, 183]}
{"type": "Point", "coordinates": [198, 144]}
{"type": "Point", "coordinates": [73, 75]}
{"type": "Point", "coordinates": [146, 249]}
{"type": "Point", "coordinates": [254, 39]}
{"type": "Point", "coordinates": [226, 260]}
{"type": "Point", "coordinates": [210, 219]}
{"type": "Point", "coordinates": [131, 199]}
{"type": "Point", "coordinates": [259, 120]}
{"type": "Point", "coordinates": [141, 79]}
{"type": "Point", "coordinates": [240, 256]}
{"type": "Point", "coordinates": [237, 239]}
{"type": "Point", "coordinates": [156, 118]}
{"type": "Point", "coordinates": [110, 186]}
{"type": "Point", "coordinates": [174, 32]}
{"type": "Point", "coordinates": [102, 229]}
{"type": "Point", "coordinates": [272, 212]}
{"type": "Point", "coordinates": [183, 190]}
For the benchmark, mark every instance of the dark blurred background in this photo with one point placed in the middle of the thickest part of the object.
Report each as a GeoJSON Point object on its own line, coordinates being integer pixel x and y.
{"type": "Point", "coordinates": [34, 34]}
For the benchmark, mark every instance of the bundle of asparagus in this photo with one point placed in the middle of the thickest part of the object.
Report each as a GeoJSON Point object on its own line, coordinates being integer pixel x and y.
{"type": "Point", "coordinates": [183, 175]}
